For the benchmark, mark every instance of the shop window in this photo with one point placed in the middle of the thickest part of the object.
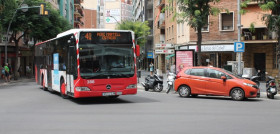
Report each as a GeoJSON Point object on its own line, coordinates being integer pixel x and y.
{"type": "Point", "coordinates": [227, 21]}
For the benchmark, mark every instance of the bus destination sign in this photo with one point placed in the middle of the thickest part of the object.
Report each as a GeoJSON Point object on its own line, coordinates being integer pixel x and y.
{"type": "Point", "coordinates": [109, 36]}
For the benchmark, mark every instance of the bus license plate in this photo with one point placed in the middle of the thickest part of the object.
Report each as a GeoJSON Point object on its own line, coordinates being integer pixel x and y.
{"type": "Point", "coordinates": [109, 94]}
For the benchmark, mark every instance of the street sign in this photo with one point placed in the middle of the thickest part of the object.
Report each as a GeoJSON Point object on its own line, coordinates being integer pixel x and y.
{"type": "Point", "coordinates": [239, 47]}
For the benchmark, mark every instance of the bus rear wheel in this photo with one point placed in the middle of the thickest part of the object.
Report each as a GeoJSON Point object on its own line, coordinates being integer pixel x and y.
{"type": "Point", "coordinates": [63, 89]}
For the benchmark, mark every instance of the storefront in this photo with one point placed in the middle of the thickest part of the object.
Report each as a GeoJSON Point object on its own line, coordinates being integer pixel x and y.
{"type": "Point", "coordinates": [261, 56]}
{"type": "Point", "coordinates": [161, 52]}
{"type": "Point", "coordinates": [218, 55]}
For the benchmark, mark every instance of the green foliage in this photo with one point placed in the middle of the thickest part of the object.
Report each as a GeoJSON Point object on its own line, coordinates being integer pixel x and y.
{"type": "Point", "coordinates": [196, 12]}
{"type": "Point", "coordinates": [30, 22]}
{"type": "Point", "coordinates": [252, 28]}
{"type": "Point", "coordinates": [140, 29]}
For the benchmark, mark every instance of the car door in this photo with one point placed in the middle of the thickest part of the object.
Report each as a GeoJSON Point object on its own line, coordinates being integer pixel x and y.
{"type": "Point", "coordinates": [196, 80]}
{"type": "Point", "coordinates": [215, 85]}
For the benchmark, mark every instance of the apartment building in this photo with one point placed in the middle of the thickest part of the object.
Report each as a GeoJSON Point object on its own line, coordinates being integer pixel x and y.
{"type": "Point", "coordinates": [112, 12]}
{"type": "Point", "coordinates": [90, 14]}
{"type": "Point", "coordinates": [260, 43]}
{"type": "Point", "coordinates": [143, 11]}
{"type": "Point", "coordinates": [218, 36]}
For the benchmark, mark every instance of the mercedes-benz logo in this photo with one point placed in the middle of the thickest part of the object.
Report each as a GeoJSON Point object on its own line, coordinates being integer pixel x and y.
{"type": "Point", "coordinates": [108, 87]}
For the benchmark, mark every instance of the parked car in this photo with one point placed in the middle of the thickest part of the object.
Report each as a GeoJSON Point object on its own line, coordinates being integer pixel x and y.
{"type": "Point", "coordinates": [193, 81]}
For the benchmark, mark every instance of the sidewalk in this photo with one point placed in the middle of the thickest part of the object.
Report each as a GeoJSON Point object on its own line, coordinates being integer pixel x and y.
{"type": "Point", "coordinates": [14, 82]}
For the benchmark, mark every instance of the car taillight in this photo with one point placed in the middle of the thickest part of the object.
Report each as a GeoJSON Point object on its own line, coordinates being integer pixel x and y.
{"type": "Point", "coordinates": [272, 84]}
{"type": "Point", "coordinates": [178, 76]}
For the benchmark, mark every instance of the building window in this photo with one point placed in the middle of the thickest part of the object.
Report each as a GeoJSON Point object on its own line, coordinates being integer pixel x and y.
{"type": "Point", "coordinates": [227, 21]}
{"type": "Point", "coordinates": [205, 28]}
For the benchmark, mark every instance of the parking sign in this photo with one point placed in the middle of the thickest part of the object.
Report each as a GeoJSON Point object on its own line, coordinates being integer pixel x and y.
{"type": "Point", "coordinates": [239, 47]}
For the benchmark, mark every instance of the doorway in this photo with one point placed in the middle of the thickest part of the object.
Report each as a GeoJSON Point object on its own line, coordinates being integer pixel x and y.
{"type": "Point", "coordinates": [259, 64]}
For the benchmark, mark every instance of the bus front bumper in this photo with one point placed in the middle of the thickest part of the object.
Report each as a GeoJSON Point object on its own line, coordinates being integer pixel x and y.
{"type": "Point", "coordinates": [82, 94]}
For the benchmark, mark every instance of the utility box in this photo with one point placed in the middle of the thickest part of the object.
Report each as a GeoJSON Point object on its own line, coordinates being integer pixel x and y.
{"type": "Point", "coordinates": [234, 65]}
{"type": "Point", "coordinates": [248, 72]}
{"type": "Point", "coordinates": [228, 68]}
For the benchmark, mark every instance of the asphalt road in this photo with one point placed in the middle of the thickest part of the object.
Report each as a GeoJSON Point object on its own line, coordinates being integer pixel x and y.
{"type": "Point", "coordinates": [26, 109]}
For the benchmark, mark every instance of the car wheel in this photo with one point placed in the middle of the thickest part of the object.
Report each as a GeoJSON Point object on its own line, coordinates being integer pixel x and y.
{"type": "Point", "coordinates": [184, 91]}
{"type": "Point", "coordinates": [237, 94]}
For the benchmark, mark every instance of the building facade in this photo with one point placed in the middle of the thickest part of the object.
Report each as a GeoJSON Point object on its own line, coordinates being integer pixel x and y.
{"type": "Point", "coordinates": [90, 14]}
{"type": "Point", "coordinates": [260, 43]}
{"type": "Point", "coordinates": [143, 11]}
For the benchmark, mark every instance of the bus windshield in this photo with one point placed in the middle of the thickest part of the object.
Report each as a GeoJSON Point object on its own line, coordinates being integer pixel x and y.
{"type": "Point", "coordinates": [100, 59]}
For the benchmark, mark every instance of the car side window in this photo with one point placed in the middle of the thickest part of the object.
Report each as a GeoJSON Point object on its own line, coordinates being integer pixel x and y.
{"type": "Point", "coordinates": [197, 72]}
{"type": "Point", "coordinates": [214, 74]}
{"type": "Point", "coordinates": [188, 72]}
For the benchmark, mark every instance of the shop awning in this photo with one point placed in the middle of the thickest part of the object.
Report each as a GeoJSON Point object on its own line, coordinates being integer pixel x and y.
{"type": "Point", "coordinates": [169, 56]}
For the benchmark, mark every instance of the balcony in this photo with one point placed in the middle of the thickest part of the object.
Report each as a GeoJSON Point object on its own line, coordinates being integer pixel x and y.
{"type": "Point", "coordinates": [78, 21]}
{"type": "Point", "coordinates": [150, 4]}
{"type": "Point", "coordinates": [260, 35]}
{"type": "Point", "coordinates": [150, 17]}
{"type": "Point", "coordinates": [78, 13]}
{"type": "Point", "coordinates": [254, 2]}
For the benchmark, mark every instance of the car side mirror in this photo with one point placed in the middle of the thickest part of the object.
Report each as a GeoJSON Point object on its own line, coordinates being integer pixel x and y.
{"type": "Point", "coordinates": [224, 78]}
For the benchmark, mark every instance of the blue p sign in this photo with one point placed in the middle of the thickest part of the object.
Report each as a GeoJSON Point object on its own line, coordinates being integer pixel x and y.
{"type": "Point", "coordinates": [239, 47]}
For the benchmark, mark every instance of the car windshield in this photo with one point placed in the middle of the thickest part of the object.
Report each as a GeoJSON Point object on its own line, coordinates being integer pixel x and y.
{"type": "Point", "coordinates": [236, 76]}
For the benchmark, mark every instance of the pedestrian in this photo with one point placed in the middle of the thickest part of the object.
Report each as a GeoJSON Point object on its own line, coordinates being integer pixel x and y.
{"type": "Point", "coordinates": [210, 64]}
{"type": "Point", "coordinates": [10, 71]}
{"type": "Point", "coordinates": [172, 68]}
{"type": "Point", "coordinates": [151, 67]}
{"type": "Point", "coordinates": [7, 73]}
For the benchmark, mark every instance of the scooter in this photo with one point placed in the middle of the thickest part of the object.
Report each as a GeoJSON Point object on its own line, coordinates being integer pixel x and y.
{"type": "Point", "coordinates": [271, 89]}
{"type": "Point", "coordinates": [170, 81]}
{"type": "Point", "coordinates": [154, 82]}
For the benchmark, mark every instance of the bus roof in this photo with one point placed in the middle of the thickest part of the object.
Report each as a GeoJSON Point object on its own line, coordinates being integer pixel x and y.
{"type": "Point", "coordinates": [73, 31]}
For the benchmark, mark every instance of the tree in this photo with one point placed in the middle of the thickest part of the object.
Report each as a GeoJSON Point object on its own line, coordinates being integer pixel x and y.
{"type": "Point", "coordinates": [141, 29]}
{"type": "Point", "coordinates": [31, 23]}
{"type": "Point", "coordinates": [195, 13]}
{"type": "Point", "coordinates": [272, 20]}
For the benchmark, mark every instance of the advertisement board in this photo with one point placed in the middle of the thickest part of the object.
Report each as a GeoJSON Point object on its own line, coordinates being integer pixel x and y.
{"type": "Point", "coordinates": [184, 58]}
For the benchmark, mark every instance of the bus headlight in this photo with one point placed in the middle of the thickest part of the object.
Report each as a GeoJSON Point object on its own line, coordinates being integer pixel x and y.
{"type": "Point", "coordinates": [131, 86]}
{"type": "Point", "coordinates": [82, 89]}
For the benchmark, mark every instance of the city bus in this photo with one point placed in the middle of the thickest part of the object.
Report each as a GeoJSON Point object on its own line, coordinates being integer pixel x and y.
{"type": "Point", "coordinates": [88, 63]}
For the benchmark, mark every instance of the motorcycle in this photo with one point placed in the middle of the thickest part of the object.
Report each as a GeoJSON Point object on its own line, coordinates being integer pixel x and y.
{"type": "Point", "coordinates": [271, 89]}
{"type": "Point", "coordinates": [170, 81]}
{"type": "Point", "coordinates": [154, 82]}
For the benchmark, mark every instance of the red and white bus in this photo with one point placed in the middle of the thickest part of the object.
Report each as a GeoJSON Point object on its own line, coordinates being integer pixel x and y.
{"type": "Point", "coordinates": [88, 63]}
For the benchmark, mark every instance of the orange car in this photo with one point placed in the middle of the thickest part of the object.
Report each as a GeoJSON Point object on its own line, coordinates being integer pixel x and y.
{"type": "Point", "coordinates": [213, 81]}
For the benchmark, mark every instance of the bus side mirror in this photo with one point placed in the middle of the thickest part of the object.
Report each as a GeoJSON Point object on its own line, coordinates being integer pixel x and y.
{"type": "Point", "coordinates": [137, 51]}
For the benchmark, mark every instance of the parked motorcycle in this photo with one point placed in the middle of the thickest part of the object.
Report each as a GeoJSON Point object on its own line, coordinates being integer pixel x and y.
{"type": "Point", "coordinates": [271, 89]}
{"type": "Point", "coordinates": [154, 82]}
{"type": "Point", "coordinates": [170, 81]}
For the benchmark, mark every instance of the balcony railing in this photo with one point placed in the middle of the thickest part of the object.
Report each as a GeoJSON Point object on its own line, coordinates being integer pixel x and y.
{"type": "Point", "coordinates": [259, 34]}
